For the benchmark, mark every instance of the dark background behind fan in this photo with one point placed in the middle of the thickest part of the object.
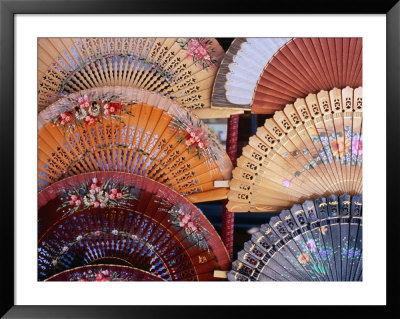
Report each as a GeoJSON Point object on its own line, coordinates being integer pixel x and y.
{"type": "Point", "coordinates": [244, 222]}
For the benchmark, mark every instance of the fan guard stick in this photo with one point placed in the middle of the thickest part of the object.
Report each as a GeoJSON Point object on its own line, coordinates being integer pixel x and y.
{"type": "Point", "coordinates": [228, 217]}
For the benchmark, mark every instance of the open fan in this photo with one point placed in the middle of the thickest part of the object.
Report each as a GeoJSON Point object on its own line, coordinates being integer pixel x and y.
{"type": "Point", "coordinates": [240, 70]}
{"type": "Point", "coordinates": [180, 68]}
{"type": "Point", "coordinates": [308, 65]}
{"type": "Point", "coordinates": [301, 66]}
{"type": "Point", "coordinates": [135, 131]}
{"type": "Point", "coordinates": [89, 218]}
{"type": "Point", "coordinates": [315, 241]}
{"type": "Point", "coordinates": [104, 273]}
{"type": "Point", "coordinates": [311, 148]}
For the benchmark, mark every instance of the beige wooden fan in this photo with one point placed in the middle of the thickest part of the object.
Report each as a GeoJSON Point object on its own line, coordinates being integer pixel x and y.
{"type": "Point", "coordinates": [180, 68]}
{"type": "Point", "coordinates": [311, 148]}
{"type": "Point", "coordinates": [135, 131]}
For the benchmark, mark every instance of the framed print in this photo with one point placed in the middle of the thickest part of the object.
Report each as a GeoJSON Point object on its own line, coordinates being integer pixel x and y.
{"type": "Point", "coordinates": [148, 142]}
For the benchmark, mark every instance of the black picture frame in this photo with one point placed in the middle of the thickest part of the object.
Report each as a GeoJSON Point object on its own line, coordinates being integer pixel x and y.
{"type": "Point", "coordinates": [8, 10]}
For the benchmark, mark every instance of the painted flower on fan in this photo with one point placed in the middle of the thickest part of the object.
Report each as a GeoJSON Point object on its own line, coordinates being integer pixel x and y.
{"type": "Point", "coordinates": [311, 245]}
{"type": "Point", "coordinates": [80, 114]}
{"type": "Point", "coordinates": [286, 183]}
{"type": "Point", "coordinates": [65, 249]}
{"type": "Point", "coordinates": [189, 223]}
{"type": "Point", "coordinates": [95, 194]}
{"type": "Point", "coordinates": [114, 107]}
{"type": "Point", "coordinates": [101, 275]}
{"type": "Point", "coordinates": [324, 254]}
{"type": "Point", "coordinates": [357, 145]}
{"type": "Point", "coordinates": [195, 138]}
{"type": "Point", "coordinates": [350, 253]}
{"type": "Point", "coordinates": [304, 258]}
{"type": "Point", "coordinates": [94, 109]}
{"type": "Point", "coordinates": [114, 232]}
{"type": "Point", "coordinates": [83, 101]}
{"type": "Point", "coordinates": [78, 238]}
{"type": "Point", "coordinates": [323, 230]}
{"type": "Point", "coordinates": [200, 51]}
{"type": "Point", "coordinates": [88, 111]}
{"type": "Point", "coordinates": [90, 121]}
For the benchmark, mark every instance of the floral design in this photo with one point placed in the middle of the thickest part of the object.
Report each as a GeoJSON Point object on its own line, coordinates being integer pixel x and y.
{"type": "Point", "coordinates": [200, 50]}
{"type": "Point", "coordinates": [88, 111]}
{"type": "Point", "coordinates": [186, 220]}
{"type": "Point", "coordinates": [311, 245]}
{"type": "Point", "coordinates": [94, 194]}
{"type": "Point", "coordinates": [304, 258]}
{"type": "Point", "coordinates": [350, 253]}
{"type": "Point", "coordinates": [324, 254]}
{"type": "Point", "coordinates": [356, 147]}
{"type": "Point", "coordinates": [64, 250]}
{"type": "Point", "coordinates": [323, 230]}
{"type": "Point", "coordinates": [100, 275]}
{"type": "Point", "coordinates": [286, 183]}
{"type": "Point", "coordinates": [195, 136]}
{"type": "Point", "coordinates": [337, 147]}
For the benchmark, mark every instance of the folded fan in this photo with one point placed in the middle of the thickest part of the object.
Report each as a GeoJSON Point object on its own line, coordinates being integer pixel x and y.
{"type": "Point", "coordinates": [104, 273]}
{"type": "Point", "coordinates": [180, 68]}
{"type": "Point", "coordinates": [311, 148]}
{"type": "Point", "coordinates": [130, 130]}
{"type": "Point", "coordinates": [105, 215]}
{"type": "Point", "coordinates": [315, 241]}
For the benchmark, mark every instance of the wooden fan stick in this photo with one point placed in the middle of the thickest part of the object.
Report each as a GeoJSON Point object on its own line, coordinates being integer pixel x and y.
{"type": "Point", "coordinates": [180, 68]}
{"type": "Point", "coordinates": [316, 140]}
{"type": "Point", "coordinates": [298, 136]}
{"type": "Point", "coordinates": [227, 226]}
{"type": "Point", "coordinates": [303, 131]}
{"type": "Point", "coordinates": [141, 141]}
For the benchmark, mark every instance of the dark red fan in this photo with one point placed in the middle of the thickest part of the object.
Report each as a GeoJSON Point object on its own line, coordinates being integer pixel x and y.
{"type": "Point", "coordinates": [308, 65]}
{"type": "Point", "coordinates": [104, 273]}
{"type": "Point", "coordinates": [91, 217]}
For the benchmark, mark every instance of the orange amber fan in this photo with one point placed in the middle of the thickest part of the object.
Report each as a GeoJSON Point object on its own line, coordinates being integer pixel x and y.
{"type": "Point", "coordinates": [128, 220]}
{"type": "Point", "coordinates": [134, 131]}
{"type": "Point", "coordinates": [312, 148]}
{"type": "Point", "coordinates": [180, 68]}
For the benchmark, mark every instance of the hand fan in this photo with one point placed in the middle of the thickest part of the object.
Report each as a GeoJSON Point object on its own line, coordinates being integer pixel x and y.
{"type": "Point", "coordinates": [319, 240]}
{"type": "Point", "coordinates": [265, 74]}
{"type": "Point", "coordinates": [308, 65]}
{"type": "Point", "coordinates": [311, 148]}
{"type": "Point", "coordinates": [240, 70]}
{"type": "Point", "coordinates": [100, 216]}
{"type": "Point", "coordinates": [180, 68]}
{"type": "Point", "coordinates": [131, 130]}
{"type": "Point", "coordinates": [104, 273]}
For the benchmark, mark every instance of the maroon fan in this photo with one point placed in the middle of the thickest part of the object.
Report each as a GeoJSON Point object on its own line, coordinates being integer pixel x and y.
{"type": "Point", "coordinates": [101, 216]}
{"type": "Point", "coordinates": [307, 65]}
{"type": "Point", "coordinates": [104, 273]}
